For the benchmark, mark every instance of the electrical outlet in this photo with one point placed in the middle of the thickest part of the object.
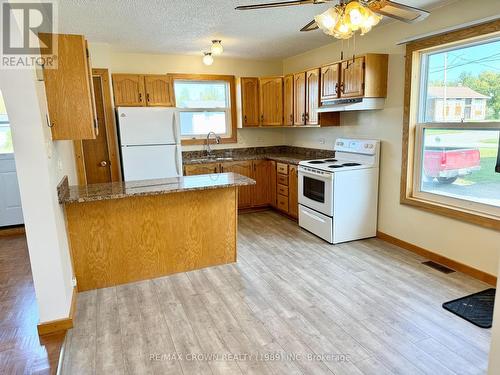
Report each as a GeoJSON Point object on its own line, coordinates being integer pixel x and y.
{"type": "Point", "coordinates": [322, 141]}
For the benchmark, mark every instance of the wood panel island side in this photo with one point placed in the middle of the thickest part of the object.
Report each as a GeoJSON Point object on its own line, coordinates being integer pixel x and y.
{"type": "Point", "coordinates": [122, 232]}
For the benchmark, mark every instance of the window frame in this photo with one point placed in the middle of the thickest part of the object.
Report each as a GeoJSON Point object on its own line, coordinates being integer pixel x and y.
{"type": "Point", "coordinates": [413, 129]}
{"type": "Point", "coordinates": [230, 112]}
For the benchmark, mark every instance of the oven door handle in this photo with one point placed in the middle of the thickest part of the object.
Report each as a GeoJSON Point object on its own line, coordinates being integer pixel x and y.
{"type": "Point", "coordinates": [326, 176]}
{"type": "Point", "coordinates": [313, 217]}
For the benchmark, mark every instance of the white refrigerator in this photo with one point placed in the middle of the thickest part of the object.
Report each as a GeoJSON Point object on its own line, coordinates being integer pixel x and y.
{"type": "Point", "coordinates": [149, 143]}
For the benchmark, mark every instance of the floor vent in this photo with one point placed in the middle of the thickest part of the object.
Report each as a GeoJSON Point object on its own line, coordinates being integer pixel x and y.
{"type": "Point", "coordinates": [438, 267]}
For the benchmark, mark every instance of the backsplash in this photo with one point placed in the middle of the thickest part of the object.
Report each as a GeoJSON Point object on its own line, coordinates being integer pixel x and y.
{"type": "Point", "coordinates": [308, 153]}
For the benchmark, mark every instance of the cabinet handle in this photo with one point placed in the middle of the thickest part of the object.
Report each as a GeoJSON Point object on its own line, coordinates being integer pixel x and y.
{"type": "Point", "coordinates": [307, 116]}
{"type": "Point", "coordinates": [336, 88]}
{"type": "Point", "coordinates": [140, 97]}
{"type": "Point", "coordinates": [291, 118]}
{"type": "Point", "coordinates": [245, 119]}
{"type": "Point", "coordinates": [342, 88]}
{"type": "Point", "coordinates": [221, 169]}
{"type": "Point", "coordinates": [147, 97]}
{"type": "Point", "coordinates": [261, 118]}
{"type": "Point", "coordinates": [303, 117]}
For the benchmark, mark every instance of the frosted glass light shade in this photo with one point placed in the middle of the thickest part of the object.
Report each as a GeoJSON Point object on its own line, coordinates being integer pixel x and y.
{"type": "Point", "coordinates": [217, 48]}
{"type": "Point", "coordinates": [208, 59]}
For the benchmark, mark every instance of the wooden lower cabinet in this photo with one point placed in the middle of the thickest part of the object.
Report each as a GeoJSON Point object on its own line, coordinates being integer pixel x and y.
{"type": "Point", "coordinates": [276, 183]}
{"type": "Point", "coordinates": [194, 169]}
{"type": "Point", "coordinates": [245, 168]}
{"type": "Point", "coordinates": [263, 189]}
{"type": "Point", "coordinates": [293, 192]}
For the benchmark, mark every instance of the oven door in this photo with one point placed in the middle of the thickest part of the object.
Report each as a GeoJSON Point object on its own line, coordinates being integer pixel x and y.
{"type": "Point", "coordinates": [316, 191]}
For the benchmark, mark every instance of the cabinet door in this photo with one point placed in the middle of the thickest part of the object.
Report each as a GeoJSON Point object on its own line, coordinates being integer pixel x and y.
{"type": "Point", "coordinates": [245, 193]}
{"type": "Point", "coordinates": [293, 192]}
{"type": "Point", "coordinates": [159, 91]}
{"type": "Point", "coordinates": [271, 101]}
{"type": "Point", "coordinates": [312, 96]}
{"type": "Point", "coordinates": [250, 101]}
{"type": "Point", "coordinates": [263, 188]}
{"type": "Point", "coordinates": [194, 169]}
{"type": "Point", "coordinates": [352, 78]}
{"type": "Point", "coordinates": [128, 90]}
{"type": "Point", "coordinates": [330, 75]}
{"type": "Point", "coordinates": [288, 100]}
{"type": "Point", "coordinates": [69, 90]}
{"type": "Point", "coordinates": [274, 182]}
{"type": "Point", "coordinates": [299, 98]}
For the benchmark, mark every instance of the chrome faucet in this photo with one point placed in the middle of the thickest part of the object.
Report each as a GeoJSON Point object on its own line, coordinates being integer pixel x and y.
{"type": "Point", "coordinates": [209, 149]}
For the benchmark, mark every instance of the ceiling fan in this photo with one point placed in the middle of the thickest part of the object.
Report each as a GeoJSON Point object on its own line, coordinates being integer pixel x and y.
{"type": "Point", "coordinates": [348, 16]}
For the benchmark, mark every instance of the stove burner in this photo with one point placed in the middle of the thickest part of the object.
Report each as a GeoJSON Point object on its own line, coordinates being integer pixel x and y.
{"type": "Point", "coordinates": [316, 162]}
{"type": "Point", "coordinates": [335, 166]}
{"type": "Point", "coordinates": [350, 164]}
{"type": "Point", "coordinates": [331, 160]}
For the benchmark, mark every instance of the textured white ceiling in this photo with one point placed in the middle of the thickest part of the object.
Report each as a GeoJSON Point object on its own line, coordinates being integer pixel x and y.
{"type": "Point", "coordinates": [188, 26]}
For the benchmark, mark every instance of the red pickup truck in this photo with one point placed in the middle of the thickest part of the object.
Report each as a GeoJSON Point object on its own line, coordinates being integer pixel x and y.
{"type": "Point", "coordinates": [446, 164]}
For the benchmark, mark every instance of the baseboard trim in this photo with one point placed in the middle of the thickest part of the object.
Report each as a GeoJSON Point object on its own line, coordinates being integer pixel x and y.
{"type": "Point", "coordinates": [12, 231]}
{"type": "Point", "coordinates": [59, 325]}
{"type": "Point", "coordinates": [450, 263]}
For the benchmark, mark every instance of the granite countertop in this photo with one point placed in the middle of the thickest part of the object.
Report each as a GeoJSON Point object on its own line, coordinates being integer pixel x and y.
{"type": "Point", "coordinates": [284, 158]}
{"type": "Point", "coordinates": [117, 190]}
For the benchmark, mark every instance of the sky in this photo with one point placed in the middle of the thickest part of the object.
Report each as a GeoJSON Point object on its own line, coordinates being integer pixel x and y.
{"type": "Point", "coordinates": [476, 59]}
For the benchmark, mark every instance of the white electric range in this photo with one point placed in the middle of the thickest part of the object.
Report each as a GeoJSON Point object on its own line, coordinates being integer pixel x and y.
{"type": "Point", "coordinates": [338, 197]}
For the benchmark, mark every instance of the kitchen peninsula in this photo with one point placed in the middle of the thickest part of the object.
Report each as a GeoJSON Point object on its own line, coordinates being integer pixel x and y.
{"type": "Point", "coordinates": [122, 232]}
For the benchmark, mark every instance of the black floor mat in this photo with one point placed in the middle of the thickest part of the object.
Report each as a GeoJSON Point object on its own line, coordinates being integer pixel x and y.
{"type": "Point", "coordinates": [476, 308]}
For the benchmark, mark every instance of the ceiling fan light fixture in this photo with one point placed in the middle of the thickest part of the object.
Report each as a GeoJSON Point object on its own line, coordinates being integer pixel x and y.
{"type": "Point", "coordinates": [216, 48]}
{"type": "Point", "coordinates": [327, 20]}
{"type": "Point", "coordinates": [207, 58]}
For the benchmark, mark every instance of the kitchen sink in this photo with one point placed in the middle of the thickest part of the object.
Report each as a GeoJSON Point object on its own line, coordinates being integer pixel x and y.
{"type": "Point", "coordinates": [208, 160]}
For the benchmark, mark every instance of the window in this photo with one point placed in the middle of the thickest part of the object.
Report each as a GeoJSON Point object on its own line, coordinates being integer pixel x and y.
{"type": "Point", "coordinates": [5, 133]}
{"type": "Point", "coordinates": [452, 126]}
{"type": "Point", "coordinates": [206, 104]}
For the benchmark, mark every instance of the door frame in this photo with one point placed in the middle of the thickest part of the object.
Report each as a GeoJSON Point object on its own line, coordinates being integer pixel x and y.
{"type": "Point", "coordinates": [111, 133]}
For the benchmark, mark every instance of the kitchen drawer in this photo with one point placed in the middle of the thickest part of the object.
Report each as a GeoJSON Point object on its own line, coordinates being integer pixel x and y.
{"type": "Point", "coordinates": [282, 168]}
{"type": "Point", "coordinates": [282, 203]}
{"type": "Point", "coordinates": [283, 179]}
{"type": "Point", "coordinates": [283, 190]}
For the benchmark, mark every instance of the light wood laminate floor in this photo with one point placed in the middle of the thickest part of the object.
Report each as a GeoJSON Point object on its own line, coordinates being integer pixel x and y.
{"type": "Point", "coordinates": [292, 304]}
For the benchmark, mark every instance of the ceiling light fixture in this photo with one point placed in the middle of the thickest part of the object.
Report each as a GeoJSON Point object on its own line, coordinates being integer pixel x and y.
{"type": "Point", "coordinates": [343, 20]}
{"type": "Point", "coordinates": [207, 58]}
{"type": "Point", "coordinates": [217, 48]}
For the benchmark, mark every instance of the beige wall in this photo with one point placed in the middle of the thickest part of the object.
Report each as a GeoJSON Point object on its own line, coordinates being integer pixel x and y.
{"type": "Point", "coordinates": [103, 56]}
{"type": "Point", "coordinates": [466, 243]}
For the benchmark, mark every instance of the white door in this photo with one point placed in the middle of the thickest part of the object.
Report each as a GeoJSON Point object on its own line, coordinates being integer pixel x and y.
{"type": "Point", "coordinates": [10, 200]}
{"type": "Point", "coordinates": [150, 162]}
{"type": "Point", "coordinates": [148, 126]}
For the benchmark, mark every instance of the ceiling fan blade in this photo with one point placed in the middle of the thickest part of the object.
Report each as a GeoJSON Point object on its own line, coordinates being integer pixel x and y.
{"type": "Point", "coordinates": [310, 26]}
{"type": "Point", "coordinates": [398, 11]}
{"type": "Point", "coordinates": [276, 5]}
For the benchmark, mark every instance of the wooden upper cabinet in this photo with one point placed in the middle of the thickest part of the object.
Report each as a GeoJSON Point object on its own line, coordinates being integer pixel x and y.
{"type": "Point", "coordinates": [250, 101]}
{"type": "Point", "coordinates": [159, 90]}
{"type": "Point", "coordinates": [288, 100]}
{"type": "Point", "coordinates": [330, 77]}
{"type": "Point", "coordinates": [352, 83]}
{"type": "Point", "coordinates": [271, 101]}
{"type": "Point", "coordinates": [312, 96]}
{"type": "Point", "coordinates": [299, 98]}
{"type": "Point", "coordinates": [69, 90]}
{"type": "Point", "coordinates": [129, 90]}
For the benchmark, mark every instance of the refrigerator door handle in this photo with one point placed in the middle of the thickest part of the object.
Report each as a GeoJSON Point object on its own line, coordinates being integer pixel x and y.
{"type": "Point", "coordinates": [176, 130]}
{"type": "Point", "coordinates": [177, 160]}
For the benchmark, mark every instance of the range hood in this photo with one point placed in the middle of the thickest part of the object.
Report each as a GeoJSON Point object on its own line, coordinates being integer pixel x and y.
{"type": "Point", "coordinates": [357, 104]}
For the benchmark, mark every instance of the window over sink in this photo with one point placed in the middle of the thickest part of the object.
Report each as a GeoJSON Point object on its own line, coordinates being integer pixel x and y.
{"type": "Point", "coordinates": [206, 104]}
{"type": "Point", "coordinates": [452, 126]}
